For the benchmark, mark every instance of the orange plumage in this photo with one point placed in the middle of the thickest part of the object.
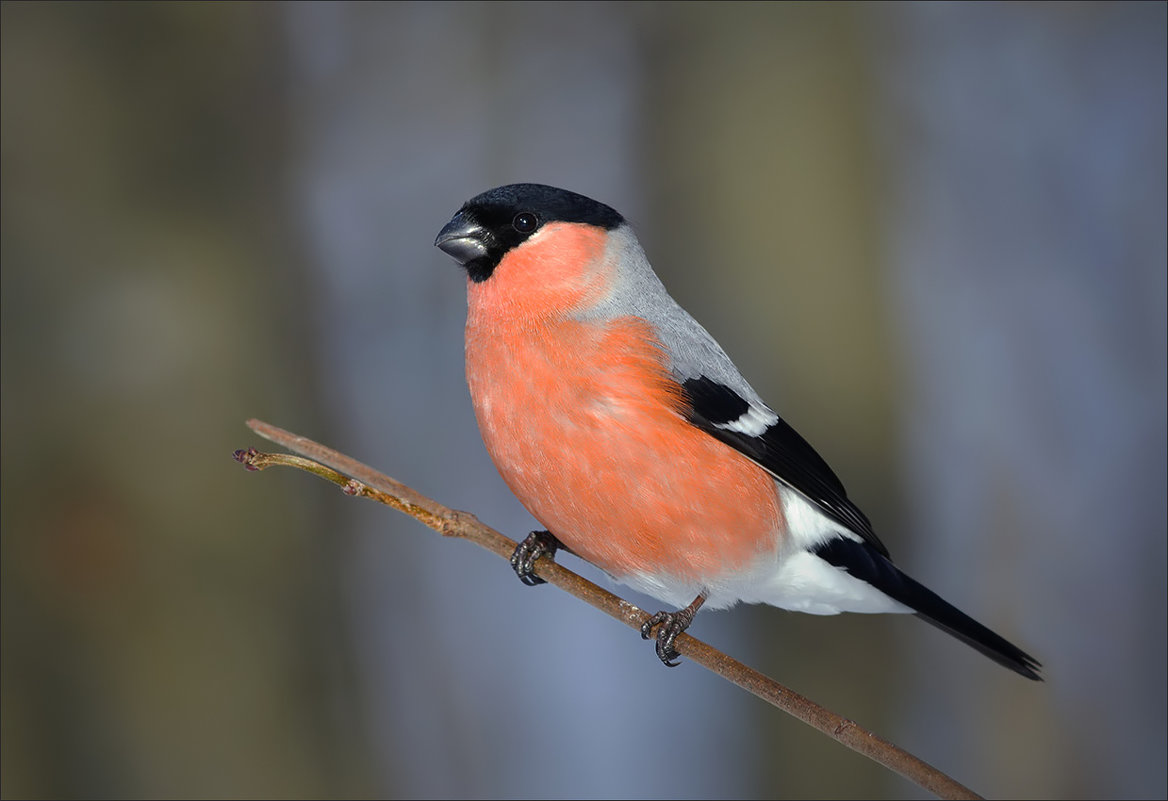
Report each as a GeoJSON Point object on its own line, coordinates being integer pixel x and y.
{"type": "Point", "coordinates": [586, 426]}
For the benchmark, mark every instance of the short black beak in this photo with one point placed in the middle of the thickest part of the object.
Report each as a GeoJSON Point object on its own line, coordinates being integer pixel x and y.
{"type": "Point", "coordinates": [462, 239]}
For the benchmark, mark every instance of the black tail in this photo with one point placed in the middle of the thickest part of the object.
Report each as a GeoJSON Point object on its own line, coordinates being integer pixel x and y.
{"type": "Point", "coordinates": [866, 564]}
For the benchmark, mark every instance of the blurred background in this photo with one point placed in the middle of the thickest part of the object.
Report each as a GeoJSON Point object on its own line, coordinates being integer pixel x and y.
{"type": "Point", "coordinates": [933, 236]}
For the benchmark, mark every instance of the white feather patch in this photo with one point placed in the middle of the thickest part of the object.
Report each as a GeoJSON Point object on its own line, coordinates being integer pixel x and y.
{"type": "Point", "coordinates": [791, 577]}
{"type": "Point", "coordinates": [753, 422]}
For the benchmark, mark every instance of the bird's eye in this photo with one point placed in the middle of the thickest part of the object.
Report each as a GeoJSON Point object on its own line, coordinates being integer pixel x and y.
{"type": "Point", "coordinates": [525, 222]}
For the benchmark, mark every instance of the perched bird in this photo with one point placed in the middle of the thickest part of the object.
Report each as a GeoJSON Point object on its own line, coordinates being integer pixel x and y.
{"type": "Point", "coordinates": [625, 429]}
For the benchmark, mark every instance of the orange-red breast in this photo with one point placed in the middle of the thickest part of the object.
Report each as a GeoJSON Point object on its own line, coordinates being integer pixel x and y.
{"type": "Point", "coordinates": [626, 430]}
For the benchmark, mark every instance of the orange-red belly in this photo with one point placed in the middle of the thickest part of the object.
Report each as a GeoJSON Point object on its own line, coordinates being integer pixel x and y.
{"type": "Point", "coordinates": [586, 428]}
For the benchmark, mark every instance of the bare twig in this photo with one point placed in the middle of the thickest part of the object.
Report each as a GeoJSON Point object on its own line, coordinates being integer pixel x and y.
{"type": "Point", "coordinates": [355, 478]}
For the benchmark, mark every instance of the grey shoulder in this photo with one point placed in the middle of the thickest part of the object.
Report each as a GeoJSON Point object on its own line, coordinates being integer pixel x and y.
{"type": "Point", "coordinates": [691, 350]}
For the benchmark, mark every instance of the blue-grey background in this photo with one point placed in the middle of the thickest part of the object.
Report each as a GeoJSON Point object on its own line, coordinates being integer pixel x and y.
{"type": "Point", "coordinates": [933, 236]}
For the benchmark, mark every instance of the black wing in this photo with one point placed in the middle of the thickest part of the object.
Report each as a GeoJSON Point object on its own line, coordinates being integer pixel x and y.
{"type": "Point", "coordinates": [779, 450]}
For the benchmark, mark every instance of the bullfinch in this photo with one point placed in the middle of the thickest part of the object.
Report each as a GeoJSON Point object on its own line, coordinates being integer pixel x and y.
{"type": "Point", "coordinates": [627, 431]}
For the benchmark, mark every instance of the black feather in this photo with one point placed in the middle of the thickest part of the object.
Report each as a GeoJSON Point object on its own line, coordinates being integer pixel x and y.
{"type": "Point", "coordinates": [780, 451]}
{"type": "Point", "coordinates": [866, 564]}
{"type": "Point", "coordinates": [493, 214]}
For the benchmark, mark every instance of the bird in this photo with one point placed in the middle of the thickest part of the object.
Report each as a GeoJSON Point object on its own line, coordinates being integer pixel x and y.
{"type": "Point", "coordinates": [624, 428]}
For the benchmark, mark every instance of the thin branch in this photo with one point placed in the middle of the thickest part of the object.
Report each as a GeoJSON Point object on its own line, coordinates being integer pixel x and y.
{"type": "Point", "coordinates": [355, 478]}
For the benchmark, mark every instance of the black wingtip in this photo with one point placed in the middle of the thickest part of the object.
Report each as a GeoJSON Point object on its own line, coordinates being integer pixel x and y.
{"type": "Point", "coordinates": [977, 636]}
{"type": "Point", "coordinates": [866, 564]}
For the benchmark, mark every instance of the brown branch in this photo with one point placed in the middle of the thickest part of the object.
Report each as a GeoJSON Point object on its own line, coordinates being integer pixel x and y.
{"type": "Point", "coordinates": [355, 478]}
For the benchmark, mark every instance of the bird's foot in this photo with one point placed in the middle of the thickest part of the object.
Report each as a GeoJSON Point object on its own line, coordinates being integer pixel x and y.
{"type": "Point", "coordinates": [669, 627]}
{"type": "Point", "coordinates": [537, 544]}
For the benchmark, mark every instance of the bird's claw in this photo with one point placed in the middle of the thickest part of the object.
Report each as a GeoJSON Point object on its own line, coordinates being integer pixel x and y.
{"type": "Point", "coordinates": [523, 559]}
{"type": "Point", "coordinates": [669, 625]}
